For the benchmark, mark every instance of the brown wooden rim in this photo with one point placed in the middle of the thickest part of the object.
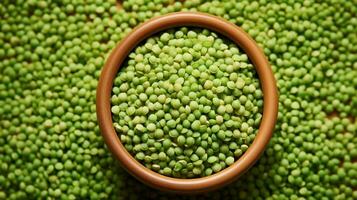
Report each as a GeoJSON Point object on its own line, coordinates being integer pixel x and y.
{"type": "Point", "coordinates": [267, 81]}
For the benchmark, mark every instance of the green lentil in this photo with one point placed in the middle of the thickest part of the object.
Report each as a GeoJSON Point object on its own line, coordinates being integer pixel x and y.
{"type": "Point", "coordinates": [196, 98]}
{"type": "Point", "coordinates": [51, 50]}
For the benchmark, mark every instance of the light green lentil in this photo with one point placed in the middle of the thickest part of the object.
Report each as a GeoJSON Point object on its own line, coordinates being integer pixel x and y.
{"type": "Point", "coordinates": [170, 122]}
{"type": "Point", "coordinates": [53, 49]}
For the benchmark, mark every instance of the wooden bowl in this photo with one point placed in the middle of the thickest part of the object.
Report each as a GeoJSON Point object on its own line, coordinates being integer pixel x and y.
{"type": "Point", "coordinates": [267, 81]}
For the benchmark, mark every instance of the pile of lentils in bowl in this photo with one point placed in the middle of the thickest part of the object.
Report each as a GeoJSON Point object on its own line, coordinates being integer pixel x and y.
{"type": "Point", "coordinates": [51, 55]}
{"type": "Point", "coordinates": [187, 103]}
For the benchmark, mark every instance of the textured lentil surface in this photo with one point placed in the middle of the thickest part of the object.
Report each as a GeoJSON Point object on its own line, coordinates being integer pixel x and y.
{"type": "Point", "coordinates": [187, 103]}
{"type": "Point", "coordinates": [50, 58]}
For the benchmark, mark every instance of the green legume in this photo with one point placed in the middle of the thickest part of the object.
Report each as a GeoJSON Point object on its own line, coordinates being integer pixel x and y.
{"type": "Point", "coordinates": [51, 57]}
{"type": "Point", "coordinates": [186, 116]}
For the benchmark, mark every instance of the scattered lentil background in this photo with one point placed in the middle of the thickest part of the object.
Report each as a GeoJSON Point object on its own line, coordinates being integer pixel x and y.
{"type": "Point", "coordinates": [51, 54]}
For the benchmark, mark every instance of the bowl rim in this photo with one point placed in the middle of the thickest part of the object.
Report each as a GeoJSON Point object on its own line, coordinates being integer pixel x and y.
{"type": "Point", "coordinates": [267, 82]}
